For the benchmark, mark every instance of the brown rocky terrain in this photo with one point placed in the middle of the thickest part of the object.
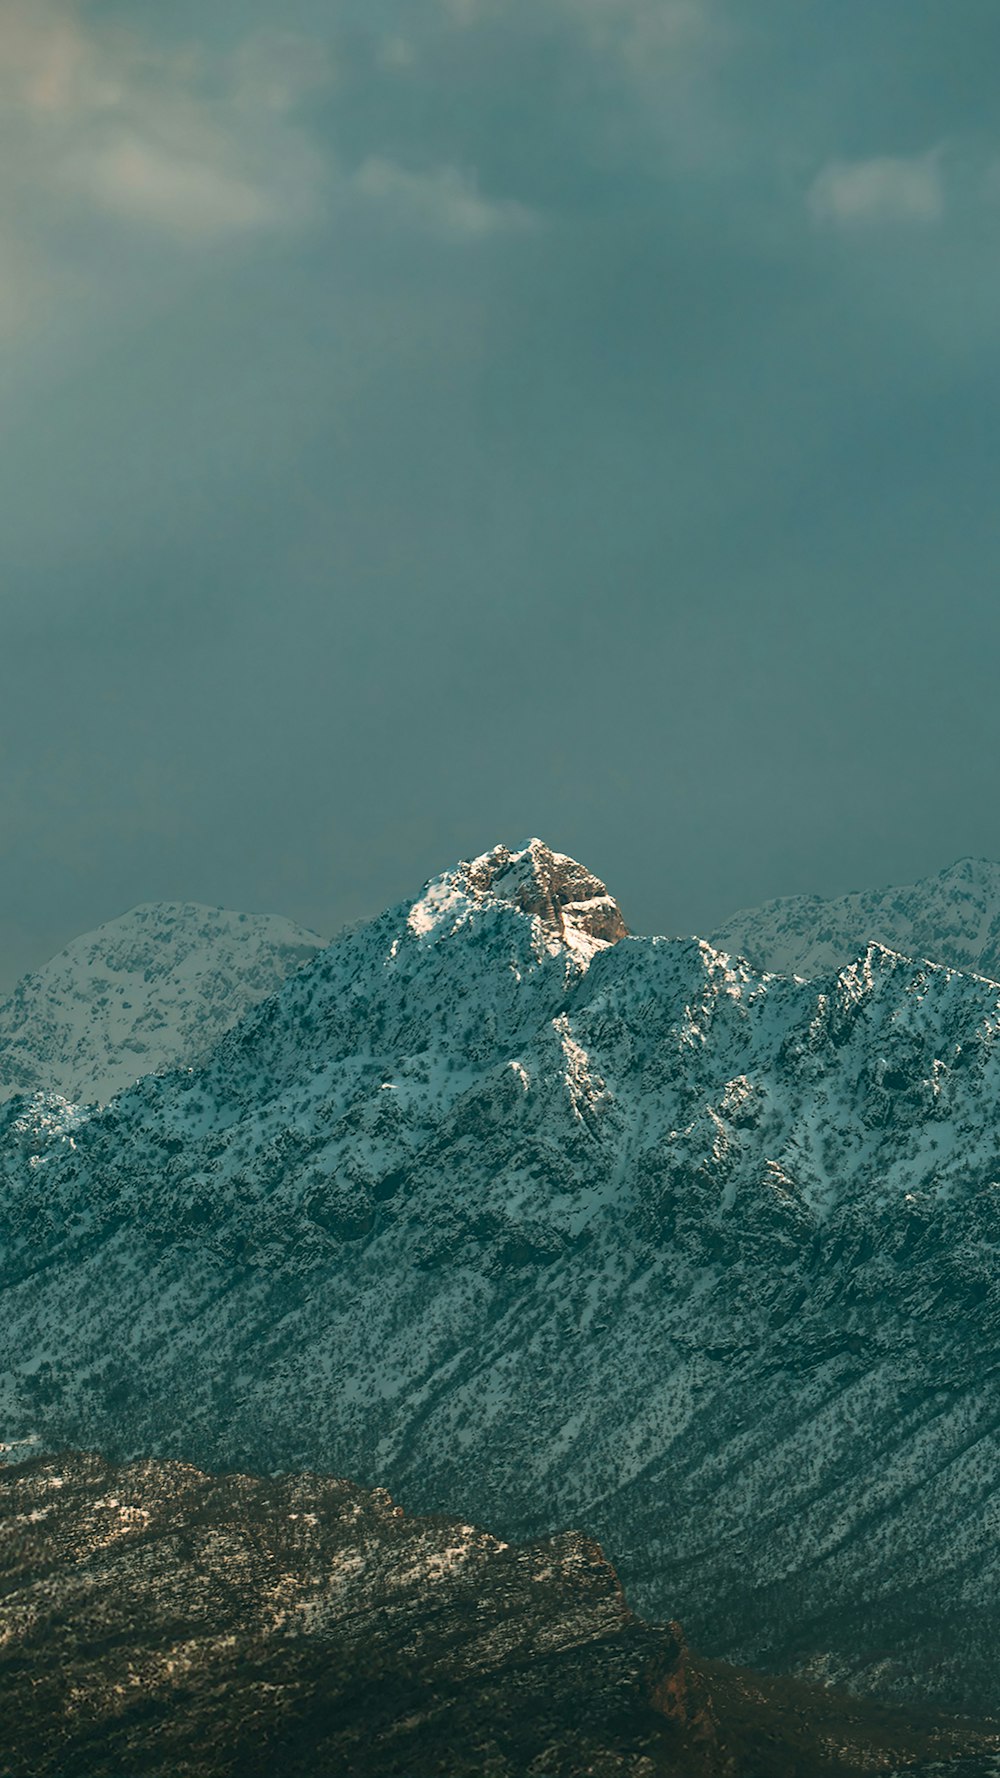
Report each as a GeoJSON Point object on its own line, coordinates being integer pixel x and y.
{"type": "Point", "coordinates": [563, 895]}
{"type": "Point", "coordinates": [162, 1623]}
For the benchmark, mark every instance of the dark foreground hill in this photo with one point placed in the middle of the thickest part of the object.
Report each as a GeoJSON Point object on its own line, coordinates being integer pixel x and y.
{"type": "Point", "coordinates": [161, 1623]}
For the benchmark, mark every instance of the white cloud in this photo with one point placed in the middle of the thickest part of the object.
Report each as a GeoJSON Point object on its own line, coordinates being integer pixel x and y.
{"type": "Point", "coordinates": [192, 197]}
{"type": "Point", "coordinates": [443, 201]}
{"type": "Point", "coordinates": [188, 146]}
{"type": "Point", "coordinates": [888, 188]}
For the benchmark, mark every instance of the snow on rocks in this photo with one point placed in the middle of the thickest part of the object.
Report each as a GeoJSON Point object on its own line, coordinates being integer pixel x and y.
{"type": "Point", "coordinates": [700, 1257]}
{"type": "Point", "coordinates": [156, 987]}
{"type": "Point", "coordinates": [952, 918]}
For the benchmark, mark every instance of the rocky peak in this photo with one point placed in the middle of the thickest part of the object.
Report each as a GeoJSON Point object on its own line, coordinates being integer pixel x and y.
{"type": "Point", "coordinates": [568, 899]}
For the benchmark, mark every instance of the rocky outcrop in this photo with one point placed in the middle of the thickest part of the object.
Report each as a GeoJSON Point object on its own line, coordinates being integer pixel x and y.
{"type": "Point", "coordinates": [556, 890]}
{"type": "Point", "coordinates": [157, 1620]}
{"type": "Point", "coordinates": [160, 1622]}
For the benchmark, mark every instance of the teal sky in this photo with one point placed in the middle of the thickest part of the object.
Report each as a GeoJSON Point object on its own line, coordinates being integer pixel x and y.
{"type": "Point", "coordinates": [432, 422]}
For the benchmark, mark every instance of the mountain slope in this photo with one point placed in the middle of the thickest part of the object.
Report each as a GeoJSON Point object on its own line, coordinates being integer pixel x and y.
{"type": "Point", "coordinates": [532, 1221]}
{"type": "Point", "coordinates": [156, 987]}
{"type": "Point", "coordinates": [159, 1621]}
{"type": "Point", "coordinates": [952, 918]}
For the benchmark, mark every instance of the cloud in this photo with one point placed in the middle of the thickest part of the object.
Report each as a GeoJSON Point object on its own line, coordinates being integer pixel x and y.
{"type": "Point", "coordinates": [464, 12]}
{"type": "Point", "coordinates": [396, 52]}
{"type": "Point", "coordinates": [188, 197]}
{"type": "Point", "coordinates": [193, 145]}
{"type": "Point", "coordinates": [168, 140]}
{"type": "Point", "coordinates": [640, 28]}
{"type": "Point", "coordinates": [444, 201]}
{"type": "Point", "coordinates": [48, 63]}
{"type": "Point", "coordinates": [667, 57]}
{"type": "Point", "coordinates": [888, 188]}
{"type": "Point", "coordinates": [634, 24]}
{"type": "Point", "coordinates": [275, 70]}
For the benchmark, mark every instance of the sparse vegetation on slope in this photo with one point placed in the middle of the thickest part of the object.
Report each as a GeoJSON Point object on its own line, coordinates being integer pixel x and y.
{"type": "Point", "coordinates": [161, 1623]}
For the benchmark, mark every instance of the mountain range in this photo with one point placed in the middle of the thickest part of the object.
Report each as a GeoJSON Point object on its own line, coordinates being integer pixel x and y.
{"type": "Point", "coordinates": [952, 918]}
{"type": "Point", "coordinates": [156, 987]}
{"type": "Point", "coordinates": [520, 1216]}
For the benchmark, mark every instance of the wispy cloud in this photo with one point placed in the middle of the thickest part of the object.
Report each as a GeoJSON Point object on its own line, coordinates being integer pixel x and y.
{"type": "Point", "coordinates": [48, 63]}
{"type": "Point", "coordinates": [149, 183]}
{"type": "Point", "coordinates": [151, 136]}
{"type": "Point", "coordinates": [660, 24]}
{"type": "Point", "coordinates": [641, 28]}
{"type": "Point", "coordinates": [444, 201]}
{"type": "Point", "coordinates": [887, 188]}
{"type": "Point", "coordinates": [668, 55]}
{"type": "Point", "coordinates": [192, 146]}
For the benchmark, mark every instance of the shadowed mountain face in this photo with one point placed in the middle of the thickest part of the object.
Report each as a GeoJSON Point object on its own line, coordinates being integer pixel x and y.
{"type": "Point", "coordinates": [159, 1622]}
{"type": "Point", "coordinates": [553, 1230]}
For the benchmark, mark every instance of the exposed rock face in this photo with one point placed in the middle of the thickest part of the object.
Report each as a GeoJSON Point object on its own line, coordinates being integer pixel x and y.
{"type": "Point", "coordinates": [157, 987]}
{"type": "Point", "coordinates": [565, 897]}
{"type": "Point", "coordinates": [558, 1232]}
{"type": "Point", "coordinates": [952, 918]}
{"type": "Point", "coordinates": [156, 1622]}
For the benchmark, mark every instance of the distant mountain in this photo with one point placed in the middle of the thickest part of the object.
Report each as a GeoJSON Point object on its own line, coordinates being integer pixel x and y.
{"type": "Point", "coordinates": [154, 988]}
{"type": "Point", "coordinates": [952, 918]}
{"type": "Point", "coordinates": [547, 1225]}
{"type": "Point", "coordinates": [159, 1621]}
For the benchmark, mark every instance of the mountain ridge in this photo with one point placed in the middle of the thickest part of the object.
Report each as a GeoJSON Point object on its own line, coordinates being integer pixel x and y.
{"type": "Point", "coordinates": [147, 990]}
{"type": "Point", "coordinates": [626, 1234]}
{"type": "Point", "coordinates": [951, 917]}
{"type": "Point", "coordinates": [158, 1620]}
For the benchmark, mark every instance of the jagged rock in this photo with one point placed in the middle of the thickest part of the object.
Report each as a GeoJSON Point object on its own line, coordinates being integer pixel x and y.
{"type": "Point", "coordinates": [566, 898]}
{"type": "Point", "coordinates": [163, 1623]}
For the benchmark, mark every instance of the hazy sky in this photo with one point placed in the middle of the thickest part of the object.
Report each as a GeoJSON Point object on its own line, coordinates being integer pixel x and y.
{"type": "Point", "coordinates": [432, 422]}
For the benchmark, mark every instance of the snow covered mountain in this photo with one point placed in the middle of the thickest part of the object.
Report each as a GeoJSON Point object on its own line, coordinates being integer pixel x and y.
{"type": "Point", "coordinates": [952, 918]}
{"type": "Point", "coordinates": [544, 1224]}
{"type": "Point", "coordinates": [157, 986]}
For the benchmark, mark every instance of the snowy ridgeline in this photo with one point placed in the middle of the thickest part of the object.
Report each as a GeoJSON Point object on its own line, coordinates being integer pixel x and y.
{"type": "Point", "coordinates": [537, 1222]}
{"type": "Point", "coordinates": [952, 918]}
{"type": "Point", "coordinates": [150, 990]}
